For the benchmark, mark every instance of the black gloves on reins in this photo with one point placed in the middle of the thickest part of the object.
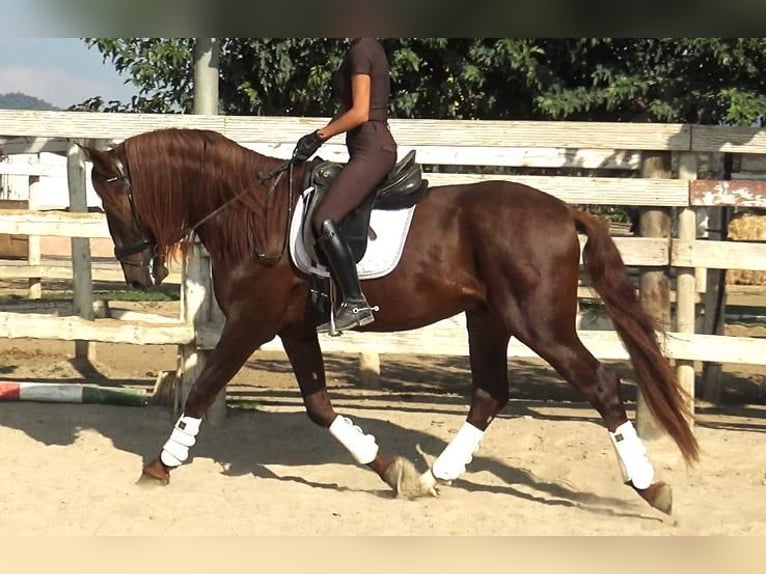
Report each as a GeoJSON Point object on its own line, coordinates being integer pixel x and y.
{"type": "Point", "coordinates": [307, 146]}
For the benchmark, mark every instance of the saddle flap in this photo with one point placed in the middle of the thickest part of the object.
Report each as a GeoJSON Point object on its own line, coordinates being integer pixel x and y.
{"type": "Point", "coordinates": [383, 251]}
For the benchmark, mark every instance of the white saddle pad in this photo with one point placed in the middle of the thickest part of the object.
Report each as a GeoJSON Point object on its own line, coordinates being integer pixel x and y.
{"type": "Point", "coordinates": [384, 249]}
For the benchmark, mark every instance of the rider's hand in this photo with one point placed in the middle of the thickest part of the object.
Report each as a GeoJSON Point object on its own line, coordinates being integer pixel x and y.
{"type": "Point", "coordinates": [307, 146]}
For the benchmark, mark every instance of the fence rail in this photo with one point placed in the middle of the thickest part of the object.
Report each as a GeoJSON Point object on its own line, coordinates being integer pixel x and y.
{"type": "Point", "coordinates": [447, 147]}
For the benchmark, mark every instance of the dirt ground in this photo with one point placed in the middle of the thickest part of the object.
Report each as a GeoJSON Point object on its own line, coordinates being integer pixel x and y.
{"type": "Point", "coordinates": [545, 467]}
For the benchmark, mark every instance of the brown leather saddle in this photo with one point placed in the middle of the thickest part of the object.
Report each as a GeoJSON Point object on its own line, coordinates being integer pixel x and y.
{"type": "Point", "coordinates": [402, 188]}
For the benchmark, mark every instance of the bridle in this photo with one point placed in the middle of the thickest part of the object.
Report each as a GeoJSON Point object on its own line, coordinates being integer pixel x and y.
{"type": "Point", "coordinates": [122, 253]}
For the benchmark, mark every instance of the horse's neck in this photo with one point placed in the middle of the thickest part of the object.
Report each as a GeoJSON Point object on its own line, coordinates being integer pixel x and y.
{"type": "Point", "coordinates": [231, 232]}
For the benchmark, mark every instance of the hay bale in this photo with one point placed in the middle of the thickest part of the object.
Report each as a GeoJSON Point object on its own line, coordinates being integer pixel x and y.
{"type": "Point", "coordinates": [750, 226]}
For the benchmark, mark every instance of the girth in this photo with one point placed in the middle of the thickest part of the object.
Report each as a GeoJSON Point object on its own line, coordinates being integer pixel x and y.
{"type": "Point", "coordinates": [402, 188]}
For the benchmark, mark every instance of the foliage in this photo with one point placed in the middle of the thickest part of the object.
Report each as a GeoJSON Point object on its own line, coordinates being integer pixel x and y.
{"type": "Point", "coordinates": [690, 80]}
{"type": "Point", "coordinates": [160, 67]}
{"type": "Point", "coordinates": [259, 76]}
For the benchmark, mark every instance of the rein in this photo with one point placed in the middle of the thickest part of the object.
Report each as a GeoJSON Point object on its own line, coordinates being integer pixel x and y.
{"type": "Point", "coordinates": [262, 178]}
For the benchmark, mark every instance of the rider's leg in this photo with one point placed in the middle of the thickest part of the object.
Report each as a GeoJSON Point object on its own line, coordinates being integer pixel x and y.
{"type": "Point", "coordinates": [371, 158]}
{"type": "Point", "coordinates": [354, 311]}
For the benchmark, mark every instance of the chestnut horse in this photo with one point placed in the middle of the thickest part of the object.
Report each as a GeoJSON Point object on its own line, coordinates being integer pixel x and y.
{"type": "Point", "coordinates": [505, 254]}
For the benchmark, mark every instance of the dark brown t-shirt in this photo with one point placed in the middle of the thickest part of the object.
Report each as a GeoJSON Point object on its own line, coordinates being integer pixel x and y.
{"type": "Point", "coordinates": [365, 56]}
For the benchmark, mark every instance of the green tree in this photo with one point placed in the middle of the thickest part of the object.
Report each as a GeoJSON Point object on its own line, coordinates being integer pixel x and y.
{"type": "Point", "coordinates": [691, 80]}
{"type": "Point", "coordinates": [694, 80]}
{"type": "Point", "coordinates": [260, 76]}
{"type": "Point", "coordinates": [161, 68]}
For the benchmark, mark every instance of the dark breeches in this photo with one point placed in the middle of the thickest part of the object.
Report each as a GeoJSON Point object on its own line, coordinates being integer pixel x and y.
{"type": "Point", "coordinates": [372, 155]}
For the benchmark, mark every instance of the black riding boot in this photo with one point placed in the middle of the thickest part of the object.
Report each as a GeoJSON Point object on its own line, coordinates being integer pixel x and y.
{"type": "Point", "coordinates": [354, 311]}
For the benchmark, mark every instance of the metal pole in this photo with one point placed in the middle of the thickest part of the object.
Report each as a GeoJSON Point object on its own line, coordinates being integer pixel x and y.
{"type": "Point", "coordinates": [206, 62]}
{"type": "Point", "coordinates": [197, 308]}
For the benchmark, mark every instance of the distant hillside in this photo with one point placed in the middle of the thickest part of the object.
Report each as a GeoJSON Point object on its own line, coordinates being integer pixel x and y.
{"type": "Point", "coordinates": [19, 101]}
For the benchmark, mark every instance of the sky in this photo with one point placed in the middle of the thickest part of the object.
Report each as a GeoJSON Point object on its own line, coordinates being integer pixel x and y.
{"type": "Point", "coordinates": [61, 71]}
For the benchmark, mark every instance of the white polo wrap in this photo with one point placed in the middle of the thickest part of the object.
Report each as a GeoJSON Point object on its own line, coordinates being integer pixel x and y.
{"type": "Point", "coordinates": [459, 452]}
{"type": "Point", "coordinates": [631, 454]}
{"type": "Point", "coordinates": [362, 446]}
{"type": "Point", "coordinates": [184, 435]}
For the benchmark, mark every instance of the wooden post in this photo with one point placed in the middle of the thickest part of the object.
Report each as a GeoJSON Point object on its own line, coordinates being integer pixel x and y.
{"type": "Point", "coordinates": [715, 311]}
{"type": "Point", "coordinates": [81, 262]}
{"type": "Point", "coordinates": [715, 294]}
{"type": "Point", "coordinates": [704, 224]}
{"type": "Point", "coordinates": [369, 370]}
{"type": "Point", "coordinates": [654, 287]}
{"type": "Point", "coordinates": [700, 273]}
{"type": "Point", "coordinates": [686, 291]}
{"type": "Point", "coordinates": [196, 308]}
{"type": "Point", "coordinates": [35, 289]}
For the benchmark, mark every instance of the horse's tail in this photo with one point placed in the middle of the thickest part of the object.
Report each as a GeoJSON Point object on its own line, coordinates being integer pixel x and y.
{"type": "Point", "coordinates": [666, 400]}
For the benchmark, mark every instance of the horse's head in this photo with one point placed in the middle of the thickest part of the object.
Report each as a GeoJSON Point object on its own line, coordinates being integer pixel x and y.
{"type": "Point", "coordinates": [134, 244]}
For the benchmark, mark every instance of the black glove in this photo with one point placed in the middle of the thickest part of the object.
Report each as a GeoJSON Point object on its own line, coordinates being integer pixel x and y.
{"type": "Point", "coordinates": [307, 146]}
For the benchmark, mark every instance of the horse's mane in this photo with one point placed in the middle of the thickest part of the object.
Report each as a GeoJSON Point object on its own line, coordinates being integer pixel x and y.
{"type": "Point", "coordinates": [181, 175]}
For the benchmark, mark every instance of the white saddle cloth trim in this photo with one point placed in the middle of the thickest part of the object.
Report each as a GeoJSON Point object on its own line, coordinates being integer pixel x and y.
{"type": "Point", "coordinates": [383, 252]}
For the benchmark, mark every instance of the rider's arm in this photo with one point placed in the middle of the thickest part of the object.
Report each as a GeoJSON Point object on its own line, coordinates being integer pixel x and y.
{"type": "Point", "coordinates": [357, 114]}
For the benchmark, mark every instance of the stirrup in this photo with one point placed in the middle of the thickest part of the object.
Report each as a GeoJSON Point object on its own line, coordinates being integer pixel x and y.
{"type": "Point", "coordinates": [349, 316]}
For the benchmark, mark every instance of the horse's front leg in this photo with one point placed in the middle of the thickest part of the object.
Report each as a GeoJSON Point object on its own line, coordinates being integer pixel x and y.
{"type": "Point", "coordinates": [237, 343]}
{"type": "Point", "coordinates": [302, 346]}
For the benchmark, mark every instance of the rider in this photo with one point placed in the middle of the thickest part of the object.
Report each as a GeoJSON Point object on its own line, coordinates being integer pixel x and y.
{"type": "Point", "coordinates": [362, 83]}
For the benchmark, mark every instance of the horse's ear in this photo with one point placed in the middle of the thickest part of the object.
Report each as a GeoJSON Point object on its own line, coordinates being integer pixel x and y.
{"type": "Point", "coordinates": [100, 159]}
{"type": "Point", "coordinates": [87, 150]}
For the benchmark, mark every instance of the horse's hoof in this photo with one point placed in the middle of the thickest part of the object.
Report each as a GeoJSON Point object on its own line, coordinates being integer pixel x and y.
{"type": "Point", "coordinates": [153, 475]}
{"type": "Point", "coordinates": [405, 480]}
{"type": "Point", "coordinates": [659, 495]}
{"type": "Point", "coordinates": [148, 480]}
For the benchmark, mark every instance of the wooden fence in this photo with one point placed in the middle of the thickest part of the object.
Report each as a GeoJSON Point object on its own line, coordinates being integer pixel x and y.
{"type": "Point", "coordinates": [571, 148]}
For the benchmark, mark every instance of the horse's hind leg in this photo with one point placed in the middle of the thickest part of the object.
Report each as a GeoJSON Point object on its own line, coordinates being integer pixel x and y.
{"type": "Point", "coordinates": [555, 340]}
{"type": "Point", "coordinates": [302, 347]}
{"type": "Point", "coordinates": [488, 344]}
